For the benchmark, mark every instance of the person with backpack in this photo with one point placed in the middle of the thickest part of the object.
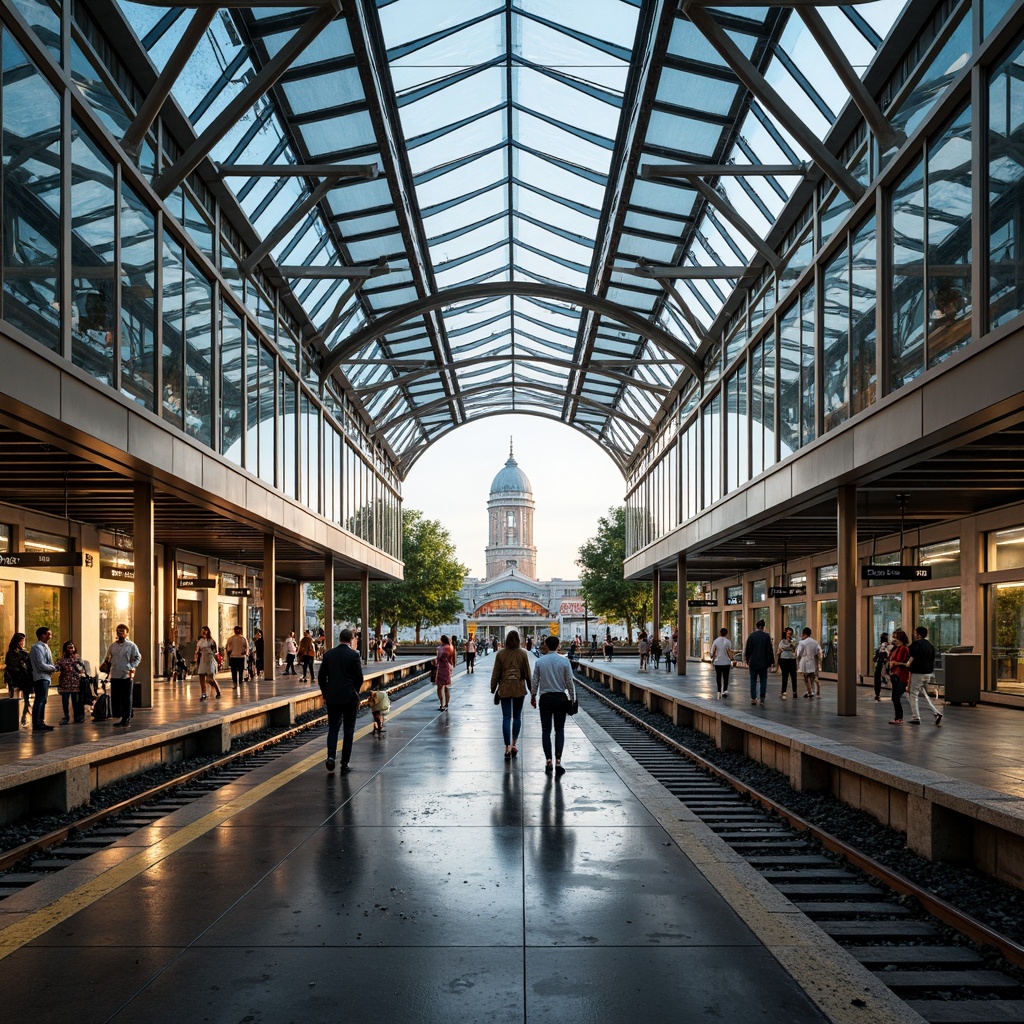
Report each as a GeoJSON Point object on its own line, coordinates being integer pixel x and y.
{"type": "Point", "coordinates": [510, 679]}
{"type": "Point", "coordinates": [18, 672]}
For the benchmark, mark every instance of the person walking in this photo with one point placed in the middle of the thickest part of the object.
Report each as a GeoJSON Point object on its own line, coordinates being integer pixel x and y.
{"type": "Point", "coordinates": [759, 655]}
{"type": "Point", "coordinates": [341, 685]}
{"type": "Point", "coordinates": [644, 647]}
{"type": "Point", "coordinates": [656, 650]}
{"type": "Point", "coordinates": [306, 651]}
{"type": "Point", "coordinates": [43, 669]}
{"type": "Point", "coordinates": [69, 683]}
{"type": "Point", "coordinates": [257, 643]}
{"type": "Point", "coordinates": [675, 652]}
{"type": "Point", "coordinates": [808, 661]}
{"type": "Point", "coordinates": [922, 674]}
{"type": "Point", "coordinates": [443, 677]}
{"type": "Point", "coordinates": [471, 654]}
{"type": "Point", "coordinates": [722, 657]}
{"type": "Point", "coordinates": [124, 658]}
{"type": "Point", "coordinates": [787, 660]}
{"type": "Point", "coordinates": [510, 678]}
{"type": "Point", "coordinates": [555, 686]}
{"type": "Point", "coordinates": [899, 672]}
{"type": "Point", "coordinates": [237, 649]}
{"type": "Point", "coordinates": [18, 672]}
{"type": "Point", "coordinates": [206, 663]}
{"type": "Point", "coordinates": [291, 648]}
{"type": "Point", "coordinates": [881, 660]}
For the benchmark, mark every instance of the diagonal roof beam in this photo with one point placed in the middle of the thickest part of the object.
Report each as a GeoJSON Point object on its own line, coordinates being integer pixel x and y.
{"type": "Point", "coordinates": [758, 85]}
{"type": "Point", "coordinates": [644, 269]}
{"type": "Point", "coordinates": [169, 180]}
{"type": "Point", "coordinates": [649, 171]}
{"type": "Point", "coordinates": [732, 215]}
{"type": "Point", "coordinates": [888, 137]}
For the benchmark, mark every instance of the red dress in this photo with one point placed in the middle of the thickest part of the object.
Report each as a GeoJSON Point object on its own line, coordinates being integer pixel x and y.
{"type": "Point", "coordinates": [445, 661]}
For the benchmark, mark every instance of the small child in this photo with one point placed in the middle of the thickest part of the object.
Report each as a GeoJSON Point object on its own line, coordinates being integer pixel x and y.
{"type": "Point", "coordinates": [380, 705]}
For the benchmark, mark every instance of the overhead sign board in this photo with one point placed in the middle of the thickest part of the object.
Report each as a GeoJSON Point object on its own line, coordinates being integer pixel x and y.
{"type": "Point", "coordinates": [895, 572]}
{"type": "Point", "coordinates": [40, 559]}
{"type": "Point", "coordinates": [572, 608]}
{"type": "Point", "coordinates": [197, 583]}
{"type": "Point", "coordinates": [238, 592]}
{"type": "Point", "coordinates": [735, 599]}
{"type": "Point", "coordinates": [702, 602]}
{"type": "Point", "coordinates": [117, 572]}
{"type": "Point", "coordinates": [787, 591]}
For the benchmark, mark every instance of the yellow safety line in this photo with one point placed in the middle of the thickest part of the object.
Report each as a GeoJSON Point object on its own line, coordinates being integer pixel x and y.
{"type": "Point", "coordinates": [38, 922]}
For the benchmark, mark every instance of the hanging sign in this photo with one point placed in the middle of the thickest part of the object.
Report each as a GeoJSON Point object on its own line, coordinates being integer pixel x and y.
{"type": "Point", "coordinates": [735, 599]}
{"type": "Point", "coordinates": [237, 592]}
{"type": "Point", "coordinates": [40, 559]}
{"type": "Point", "coordinates": [787, 591]}
{"type": "Point", "coordinates": [895, 572]}
{"type": "Point", "coordinates": [702, 602]}
{"type": "Point", "coordinates": [197, 583]}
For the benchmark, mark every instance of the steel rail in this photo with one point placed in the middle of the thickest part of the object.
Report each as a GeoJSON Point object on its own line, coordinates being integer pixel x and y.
{"type": "Point", "coordinates": [939, 908]}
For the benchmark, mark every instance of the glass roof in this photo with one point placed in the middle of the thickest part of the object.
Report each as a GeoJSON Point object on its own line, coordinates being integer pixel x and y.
{"type": "Point", "coordinates": [510, 138]}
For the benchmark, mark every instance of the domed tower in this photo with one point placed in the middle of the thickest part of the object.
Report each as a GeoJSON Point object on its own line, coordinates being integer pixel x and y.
{"type": "Point", "coordinates": [510, 517]}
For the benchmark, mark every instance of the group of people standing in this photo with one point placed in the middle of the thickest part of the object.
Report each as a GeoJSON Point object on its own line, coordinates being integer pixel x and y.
{"type": "Point", "coordinates": [761, 655]}
{"type": "Point", "coordinates": [909, 665]}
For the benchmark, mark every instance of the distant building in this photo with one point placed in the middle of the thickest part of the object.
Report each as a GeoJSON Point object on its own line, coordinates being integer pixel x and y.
{"type": "Point", "coordinates": [511, 596]}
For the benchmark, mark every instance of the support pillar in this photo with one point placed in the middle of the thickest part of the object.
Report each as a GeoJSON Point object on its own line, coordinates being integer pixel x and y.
{"type": "Point", "coordinates": [681, 613]}
{"type": "Point", "coordinates": [269, 606]}
{"type": "Point", "coordinates": [364, 607]}
{"type": "Point", "coordinates": [170, 589]}
{"type": "Point", "coordinates": [656, 606]}
{"type": "Point", "coordinates": [142, 605]}
{"type": "Point", "coordinates": [846, 514]}
{"type": "Point", "coordinates": [329, 601]}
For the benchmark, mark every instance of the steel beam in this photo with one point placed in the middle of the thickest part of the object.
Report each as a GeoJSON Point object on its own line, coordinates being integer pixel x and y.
{"type": "Point", "coordinates": [651, 171]}
{"type": "Point", "coordinates": [670, 289]}
{"type": "Point", "coordinates": [267, 77]}
{"type": "Point", "coordinates": [555, 292]}
{"type": "Point", "coordinates": [364, 171]}
{"type": "Point", "coordinates": [753, 80]}
{"type": "Point", "coordinates": [733, 216]}
{"type": "Point", "coordinates": [685, 273]}
{"type": "Point", "coordinates": [332, 273]}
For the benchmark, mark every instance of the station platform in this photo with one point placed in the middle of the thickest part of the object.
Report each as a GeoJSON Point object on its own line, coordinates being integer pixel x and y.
{"type": "Point", "coordinates": [437, 880]}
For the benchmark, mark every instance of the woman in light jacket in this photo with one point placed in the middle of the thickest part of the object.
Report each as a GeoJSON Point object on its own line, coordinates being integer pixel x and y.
{"type": "Point", "coordinates": [510, 677]}
{"type": "Point", "coordinates": [206, 663]}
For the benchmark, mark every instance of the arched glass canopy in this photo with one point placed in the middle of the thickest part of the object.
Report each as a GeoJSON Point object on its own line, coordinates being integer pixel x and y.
{"type": "Point", "coordinates": [635, 152]}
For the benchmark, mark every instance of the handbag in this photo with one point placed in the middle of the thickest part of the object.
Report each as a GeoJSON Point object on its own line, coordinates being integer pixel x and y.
{"type": "Point", "coordinates": [433, 671]}
{"type": "Point", "coordinates": [105, 667]}
{"type": "Point", "coordinates": [574, 705]}
{"type": "Point", "coordinates": [497, 697]}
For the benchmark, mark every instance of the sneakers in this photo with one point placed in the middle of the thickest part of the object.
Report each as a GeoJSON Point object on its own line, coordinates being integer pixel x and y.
{"type": "Point", "coordinates": [915, 721]}
{"type": "Point", "coordinates": [753, 701]}
{"type": "Point", "coordinates": [330, 764]}
{"type": "Point", "coordinates": [783, 696]}
{"type": "Point", "coordinates": [938, 718]}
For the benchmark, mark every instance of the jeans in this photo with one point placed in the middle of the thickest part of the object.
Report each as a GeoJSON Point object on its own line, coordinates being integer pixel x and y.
{"type": "Point", "coordinates": [41, 689]}
{"type": "Point", "coordinates": [121, 698]}
{"type": "Point", "coordinates": [787, 666]}
{"type": "Point", "coordinates": [237, 670]}
{"type": "Point", "coordinates": [307, 665]}
{"type": "Point", "coordinates": [289, 665]}
{"type": "Point", "coordinates": [758, 675]}
{"type": "Point", "coordinates": [722, 677]}
{"type": "Point", "coordinates": [336, 714]}
{"type": "Point", "coordinates": [553, 707]}
{"type": "Point", "coordinates": [511, 718]}
{"type": "Point", "coordinates": [75, 700]}
{"type": "Point", "coordinates": [898, 689]}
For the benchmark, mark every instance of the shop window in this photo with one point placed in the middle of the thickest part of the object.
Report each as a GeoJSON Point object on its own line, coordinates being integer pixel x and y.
{"type": "Point", "coordinates": [886, 615]}
{"type": "Point", "coordinates": [1006, 604]}
{"type": "Point", "coordinates": [5, 538]}
{"type": "Point", "coordinates": [1006, 549]}
{"type": "Point", "coordinates": [759, 590]}
{"type": "Point", "coordinates": [734, 595]}
{"type": "Point", "coordinates": [939, 612]}
{"type": "Point", "coordinates": [794, 616]}
{"type": "Point", "coordinates": [46, 543]}
{"type": "Point", "coordinates": [943, 558]}
{"type": "Point", "coordinates": [7, 612]}
{"type": "Point", "coordinates": [828, 635]}
{"type": "Point", "coordinates": [42, 608]}
{"type": "Point", "coordinates": [827, 579]}
{"type": "Point", "coordinates": [115, 608]}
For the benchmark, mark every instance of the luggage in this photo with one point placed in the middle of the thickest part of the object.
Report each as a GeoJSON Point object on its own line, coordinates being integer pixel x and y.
{"type": "Point", "coordinates": [101, 708]}
{"type": "Point", "coordinates": [88, 686]}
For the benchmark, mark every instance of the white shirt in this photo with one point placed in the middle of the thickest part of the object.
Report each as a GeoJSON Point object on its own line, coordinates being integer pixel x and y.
{"type": "Point", "coordinates": [721, 651]}
{"type": "Point", "coordinates": [808, 651]}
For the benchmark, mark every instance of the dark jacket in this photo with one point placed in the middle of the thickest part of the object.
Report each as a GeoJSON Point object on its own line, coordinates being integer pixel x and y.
{"type": "Point", "coordinates": [758, 651]}
{"type": "Point", "coordinates": [922, 656]}
{"type": "Point", "coordinates": [341, 675]}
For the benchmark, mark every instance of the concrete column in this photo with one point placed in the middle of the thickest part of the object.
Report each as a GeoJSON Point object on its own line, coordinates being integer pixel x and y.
{"type": "Point", "coordinates": [269, 606]}
{"type": "Point", "coordinates": [85, 622]}
{"type": "Point", "coordinates": [142, 609]}
{"type": "Point", "coordinates": [846, 514]}
{"type": "Point", "coordinates": [364, 606]}
{"type": "Point", "coordinates": [656, 605]}
{"type": "Point", "coordinates": [329, 601]}
{"type": "Point", "coordinates": [681, 613]}
{"type": "Point", "coordinates": [171, 594]}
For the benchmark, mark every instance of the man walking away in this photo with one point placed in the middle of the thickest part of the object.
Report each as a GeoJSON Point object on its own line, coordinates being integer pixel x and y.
{"type": "Point", "coordinates": [922, 674]}
{"type": "Point", "coordinates": [341, 683]}
{"type": "Point", "coordinates": [759, 654]}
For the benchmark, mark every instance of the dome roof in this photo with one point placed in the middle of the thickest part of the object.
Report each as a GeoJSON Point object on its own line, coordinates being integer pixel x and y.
{"type": "Point", "coordinates": [511, 479]}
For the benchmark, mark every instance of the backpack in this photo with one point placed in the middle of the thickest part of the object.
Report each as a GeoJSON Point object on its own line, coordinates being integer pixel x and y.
{"type": "Point", "coordinates": [101, 708]}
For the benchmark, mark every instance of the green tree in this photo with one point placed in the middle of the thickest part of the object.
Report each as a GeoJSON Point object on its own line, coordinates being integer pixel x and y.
{"type": "Point", "coordinates": [429, 594]}
{"type": "Point", "coordinates": [605, 588]}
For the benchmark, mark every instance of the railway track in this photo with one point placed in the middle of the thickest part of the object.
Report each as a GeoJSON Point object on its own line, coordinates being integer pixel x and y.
{"type": "Point", "coordinates": [40, 857]}
{"type": "Point", "coordinates": [947, 966]}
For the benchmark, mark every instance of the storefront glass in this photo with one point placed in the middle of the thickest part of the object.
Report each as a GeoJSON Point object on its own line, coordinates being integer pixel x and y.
{"type": "Point", "coordinates": [115, 608]}
{"type": "Point", "coordinates": [227, 619]}
{"type": "Point", "coordinates": [939, 612]}
{"type": "Point", "coordinates": [7, 617]}
{"type": "Point", "coordinates": [734, 623]}
{"type": "Point", "coordinates": [795, 616]}
{"type": "Point", "coordinates": [886, 615]}
{"type": "Point", "coordinates": [42, 608]}
{"type": "Point", "coordinates": [1006, 603]}
{"type": "Point", "coordinates": [700, 635]}
{"type": "Point", "coordinates": [828, 635]}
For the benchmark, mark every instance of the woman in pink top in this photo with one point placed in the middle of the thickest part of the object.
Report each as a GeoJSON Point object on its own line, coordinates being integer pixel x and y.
{"type": "Point", "coordinates": [443, 678]}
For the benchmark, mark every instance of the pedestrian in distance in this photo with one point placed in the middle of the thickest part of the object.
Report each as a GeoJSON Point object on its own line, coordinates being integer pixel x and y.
{"type": "Point", "coordinates": [555, 687]}
{"type": "Point", "coordinates": [808, 662]}
{"type": "Point", "coordinates": [380, 704]}
{"type": "Point", "coordinates": [881, 660]}
{"type": "Point", "coordinates": [656, 650]}
{"type": "Point", "coordinates": [759, 655]}
{"type": "Point", "coordinates": [722, 657]}
{"type": "Point", "coordinates": [922, 674]}
{"type": "Point", "coordinates": [306, 650]}
{"type": "Point", "coordinates": [787, 660]}
{"type": "Point", "coordinates": [443, 678]}
{"type": "Point", "coordinates": [291, 648]}
{"type": "Point", "coordinates": [644, 647]}
{"type": "Point", "coordinates": [510, 679]}
{"type": "Point", "coordinates": [341, 685]}
{"type": "Point", "coordinates": [257, 647]}
{"type": "Point", "coordinates": [470, 655]}
{"type": "Point", "coordinates": [123, 658]}
{"type": "Point", "coordinates": [237, 649]}
{"type": "Point", "coordinates": [206, 663]}
{"type": "Point", "coordinates": [899, 672]}
{"type": "Point", "coordinates": [43, 669]}
{"type": "Point", "coordinates": [69, 682]}
{"type": "Point", "coordinates": [18, 672]}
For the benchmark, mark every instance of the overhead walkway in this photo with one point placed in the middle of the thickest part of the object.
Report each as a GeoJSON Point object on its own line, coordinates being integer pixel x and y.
{"type": "Point", "coordinates": [436, 880]}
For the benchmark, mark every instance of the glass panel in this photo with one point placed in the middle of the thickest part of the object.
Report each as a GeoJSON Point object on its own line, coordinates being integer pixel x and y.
{"type": "Point", "coordinates": [863, 289]}
{"type": "Point", "coordinates": [32, 195]}
{"type": "Point", "coordinates": [138, 299]}
{"type": "Point", "coordinates": [7, 612]}
{"type": "Point", "coordinates": [886, 615]}
{"type": "Point", "coordinates": [232, 356]}
{"type": "Point", "coordinates": [41, 16]}
{"type": "Point", "coordinates": [736, 425]}
{"type": "Point", "coordinates": [198, 355]}
{"type": "Point", "coordinates": [944, 558]}
{"type": "Point", "coordinates": [890, 559]}
{"type": "Point", "coordinates": [828, 635]}
{"type": "Point", "coordinates": [949, 240]}
{"type": "Point", "coordinates": [172, 354]}
{"type": "Point", "coordinates": [42, 608]}
{"type": "Point", "coordinates": [808, 419]}
{"type": "Point", "coordinates": [939, 612]}
{"type": "Point", "coordinates": [908, 277]}
{"type": "Point", "coordinates": [712, 451]}
{"type": "Point", "coordinates": [116, 606]}
{"type": "Point", "coordinates": [289, 414]}
{"type": "Point", "coordinates": [828, 579]}
{"type": "Point", "coordinates": [835, 342]}
{"type": "Point", "coordinates": [759, 591]}
{"type": "Point", "coordinates": [267, 418]}
{"type": "Point", "coordinates": [1006, 549]}
{"type": "Point", "coordinates": [1006, 601]}
{"type": "Point", "coordinates": [789, 381]}
{"type": "Point", "coordinates": [795, 616]}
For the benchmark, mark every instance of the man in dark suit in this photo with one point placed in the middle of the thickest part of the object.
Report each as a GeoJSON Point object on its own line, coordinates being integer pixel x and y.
{"type": "Point", "coordinates": [341, 683]}
{"type": "Point", "coordinates": [759, 654]}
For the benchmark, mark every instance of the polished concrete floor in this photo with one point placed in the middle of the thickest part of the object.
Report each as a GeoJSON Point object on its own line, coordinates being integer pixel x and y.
{"type": "Point", "coordinates": [980, 744]}
{"type": "Point", "coordinates": [436, 882]}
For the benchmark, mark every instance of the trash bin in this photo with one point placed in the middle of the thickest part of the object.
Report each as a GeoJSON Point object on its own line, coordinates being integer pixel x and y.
{"type": "Point", "coordinates": [962, 678]}
{"type": "Point", "coordinates": [10, 709]}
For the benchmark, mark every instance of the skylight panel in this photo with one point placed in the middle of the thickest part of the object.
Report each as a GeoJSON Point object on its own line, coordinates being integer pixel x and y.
{"type": "Point", "coordinates": [469, 177]}
{"type": "Point", "coordinates": [549, 139]}
{"type": "Point", "coordinates": [546, 47]}
{"type": "Point", "coordinates": [613, 20]}
{"type": "Point", "coordinates": [461, 99]}
{"type": "Point", "coordinates": [537, 91]}
{"type": "Point", "coordinates": [478, 135]}
{"type": "Point", "coordinates": [475, 44]}
{"type": "Point", "coordinates": [556, 180]}
{"type": "Point", "coordinates": [472, 241]}
{"type": "Point", "coordinates": [406, 21]}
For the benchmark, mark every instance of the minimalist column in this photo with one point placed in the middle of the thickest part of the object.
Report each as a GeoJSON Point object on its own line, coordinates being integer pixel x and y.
{"type": "Point", "coordinates": [269, 606]}
{"type": "Point", "coordinates": [681, 615]}
{"type": "Point", "coordinates": [170, 589]}
{"type": "Point", "coordinates": [142, 606]}
{"type": "Point", "coordinates": [846, 511]}
{"type": "Point", "coordinates": [656, 606]}
{"type": "Point", "coordinates": [364, 605]}
{"type": "Point", "coordinates": [329, 601]}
